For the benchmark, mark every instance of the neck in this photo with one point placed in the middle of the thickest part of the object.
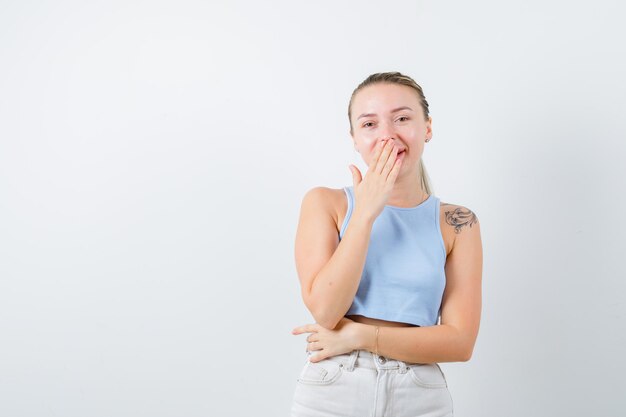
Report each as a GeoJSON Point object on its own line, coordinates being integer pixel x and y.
{"type": "Point", "coordinates": [407, 191]}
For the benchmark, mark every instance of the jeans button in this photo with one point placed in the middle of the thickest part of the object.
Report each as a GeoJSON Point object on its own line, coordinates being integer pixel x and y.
{"type": "Point", "coordinates": [382, 359]}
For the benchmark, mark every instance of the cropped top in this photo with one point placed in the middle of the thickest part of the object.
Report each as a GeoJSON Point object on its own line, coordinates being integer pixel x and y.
{"type": "Point", "coordinates": [403, 277]}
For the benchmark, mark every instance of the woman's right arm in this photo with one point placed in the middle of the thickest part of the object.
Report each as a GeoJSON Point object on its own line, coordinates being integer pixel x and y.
{"type": "Point", "coordinates": [329, 269]}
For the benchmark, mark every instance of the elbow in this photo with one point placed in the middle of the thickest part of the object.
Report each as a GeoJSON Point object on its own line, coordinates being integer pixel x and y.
{"type": "Point", "coordinates": [322, 314]}
{"type": "Point", "coordinates": [466, 355]}
{"type": "Point", "coordinates": [466, 351]}
{"type": "Point", "coordinates": [465, 346]}
{"type": "Point", "coordinates": [329, 324]}
{"type": "Point", "coordinates": [326, 320]}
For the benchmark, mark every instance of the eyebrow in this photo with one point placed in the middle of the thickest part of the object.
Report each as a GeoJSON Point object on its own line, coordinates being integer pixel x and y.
{"type": "Point", "coordinates": [393, 111]}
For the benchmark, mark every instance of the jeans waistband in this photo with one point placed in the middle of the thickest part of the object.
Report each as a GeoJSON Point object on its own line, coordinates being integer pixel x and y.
{"type": "Point", "coordinates": [366, 359]}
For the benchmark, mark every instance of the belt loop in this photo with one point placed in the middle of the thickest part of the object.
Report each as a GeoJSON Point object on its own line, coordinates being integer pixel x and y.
{"type": "Point", "coordinates": [403, 366]}
{"type": "Point", "coordinates": [352, 360]}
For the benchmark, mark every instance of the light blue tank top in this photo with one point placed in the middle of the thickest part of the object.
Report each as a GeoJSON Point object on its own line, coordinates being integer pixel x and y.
{"type": "Point", "coordinates": [404, 277]}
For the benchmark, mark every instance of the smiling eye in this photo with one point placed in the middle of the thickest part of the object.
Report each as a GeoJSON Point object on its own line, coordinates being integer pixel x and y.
{"type": "Point", "coordinates": [403, 117]}
{"type": "Point", "coordinates": [367, 123]}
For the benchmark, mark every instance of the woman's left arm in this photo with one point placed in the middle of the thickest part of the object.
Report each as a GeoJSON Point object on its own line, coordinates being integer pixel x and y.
{"type": "Point", "coordinates": [453, 340]}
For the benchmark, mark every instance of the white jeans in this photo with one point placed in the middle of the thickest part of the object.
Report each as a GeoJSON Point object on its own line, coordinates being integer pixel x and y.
{"type": "Point", "coordinates": [363, 384]}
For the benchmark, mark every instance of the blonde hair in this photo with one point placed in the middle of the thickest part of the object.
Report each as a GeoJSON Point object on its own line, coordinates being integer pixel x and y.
{"type": "Point", "coordinates": [401, 79]}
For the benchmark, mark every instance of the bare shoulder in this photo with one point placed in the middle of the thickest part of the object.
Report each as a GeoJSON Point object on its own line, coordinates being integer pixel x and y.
{"type": "Point", "coordinates": [458, 222]}
{"type": "Point", "coordinates": [458, 217]}
{"type": "Point", "coordinates": [332, 200]}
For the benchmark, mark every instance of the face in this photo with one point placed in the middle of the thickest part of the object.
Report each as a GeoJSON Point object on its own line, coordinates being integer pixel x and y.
{"type": "Point", "coordinates": [381, 111]}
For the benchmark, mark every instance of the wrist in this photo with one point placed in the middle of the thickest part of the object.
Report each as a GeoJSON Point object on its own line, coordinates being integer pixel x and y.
{"type": "Point", "coordinates": [367, 339]}
{"type": "Point", "coordinates": [363, 219]}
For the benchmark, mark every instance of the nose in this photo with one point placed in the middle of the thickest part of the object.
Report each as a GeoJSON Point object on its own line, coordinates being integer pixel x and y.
{"type": "Point", "coordinates": [387, 138]}
{"type": "Point", "coordinates": [387, 132]}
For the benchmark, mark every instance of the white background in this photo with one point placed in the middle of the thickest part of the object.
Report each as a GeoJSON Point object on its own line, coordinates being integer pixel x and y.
{"type": "Point", "coordinates": [153, 157]}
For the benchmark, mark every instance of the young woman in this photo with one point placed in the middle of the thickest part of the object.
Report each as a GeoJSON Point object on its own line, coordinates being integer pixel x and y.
{"type": "Point", "coordinates": [391, 275]}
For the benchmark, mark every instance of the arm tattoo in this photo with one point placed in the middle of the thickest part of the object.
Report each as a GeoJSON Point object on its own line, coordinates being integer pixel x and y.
{"type": "Point", "coordinates": [460, 217]}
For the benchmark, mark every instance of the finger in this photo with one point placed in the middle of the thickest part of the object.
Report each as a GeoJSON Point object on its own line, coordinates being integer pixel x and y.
{"type": "Point", "coordinates": [317, 356]}
{"type": "Point", "coordinates": [312, 338]}
{"type": "Point", "coordinates": [395, 171]}
{"type": "Point", "coordinates": [379, 150]}
{"type": "Point", "coordinates": [307, 328]}
{"type": "Point", "coordinates": [391, 160]}
{"type": "Point", "coordinates": [384, 156]}
{"type": "Point", "coordinates": [356, 175]}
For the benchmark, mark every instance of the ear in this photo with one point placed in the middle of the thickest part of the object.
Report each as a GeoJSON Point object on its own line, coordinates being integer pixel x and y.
{"type": "Point", "coordinates": [429, 128]}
